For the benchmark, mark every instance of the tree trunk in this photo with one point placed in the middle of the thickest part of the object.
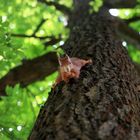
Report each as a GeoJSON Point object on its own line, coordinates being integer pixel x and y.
{"type": "Point", "coordinates": [104, 102]}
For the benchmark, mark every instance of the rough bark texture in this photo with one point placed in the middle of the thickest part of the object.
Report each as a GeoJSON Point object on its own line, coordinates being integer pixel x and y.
{"type": "Point", "coordinates": [104, 103]}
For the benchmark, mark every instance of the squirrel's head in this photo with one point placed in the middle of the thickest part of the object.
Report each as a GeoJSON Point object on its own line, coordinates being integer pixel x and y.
{"type": "Point", "coordinates": [64, 60]}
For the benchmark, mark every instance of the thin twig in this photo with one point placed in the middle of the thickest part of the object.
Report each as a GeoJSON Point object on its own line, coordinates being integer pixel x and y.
{"type": "Point", "coordinates": [133, 19]}
{"type": "Point", "coordinates": [58, 6]}
{"type": "Point", "coordinates": [38, 27]}
{"type": "Point", "coordinates": [31, 36]}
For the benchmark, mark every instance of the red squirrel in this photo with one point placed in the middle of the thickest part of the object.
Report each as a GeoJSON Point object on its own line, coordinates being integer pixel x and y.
{"type": "Point", "coordinates": [69, 68]}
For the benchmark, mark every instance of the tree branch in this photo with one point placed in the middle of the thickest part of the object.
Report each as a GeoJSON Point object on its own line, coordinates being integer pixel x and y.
{"type": "Point", "coordinates": [30, 71]}
{"type": "Point", "coordinates": [38, 27]}
{"type": "Point", "coordinates": [29, 36]}
{"type": "Point", "coordinates": [120, 3]}
{"type": "Point", "coordinates": [133, 19]}
{"type": "Point", "coordinates": [33, 34]}
{"type": "Point", "coordinates": [58, 6]}
{"type": "Point", "coordinates": [129, 34]}
{"type": "Point", "coordinates": [53, 41]}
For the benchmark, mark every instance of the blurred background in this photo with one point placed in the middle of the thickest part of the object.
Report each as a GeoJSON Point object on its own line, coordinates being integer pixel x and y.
{"type": "Point", "coordinates": [30, 29]}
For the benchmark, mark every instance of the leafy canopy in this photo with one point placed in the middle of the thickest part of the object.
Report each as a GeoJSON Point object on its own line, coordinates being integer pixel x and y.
{"type": "Point", "coordinates": [19, 109]}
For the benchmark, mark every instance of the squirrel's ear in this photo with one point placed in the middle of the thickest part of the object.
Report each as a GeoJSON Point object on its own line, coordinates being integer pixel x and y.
{"type": "Point", "coordinates": [59, 60]}
{"type": "Point", "coordinates": [58, 55]}
{"type": "Point", "coordinates": [68, 58]}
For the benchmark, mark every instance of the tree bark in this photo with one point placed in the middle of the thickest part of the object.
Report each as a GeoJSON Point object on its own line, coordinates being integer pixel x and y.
{"type": "Point", "coordinates": [104, 102]}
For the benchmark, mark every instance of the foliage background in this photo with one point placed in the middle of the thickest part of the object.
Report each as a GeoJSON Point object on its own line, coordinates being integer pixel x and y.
{"type": "Point", "coordinates": [20, 108]}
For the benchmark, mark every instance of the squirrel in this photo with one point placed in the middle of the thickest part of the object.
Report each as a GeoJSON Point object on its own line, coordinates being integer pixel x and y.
{"type": "Point", "coordinates": [69, 68]}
